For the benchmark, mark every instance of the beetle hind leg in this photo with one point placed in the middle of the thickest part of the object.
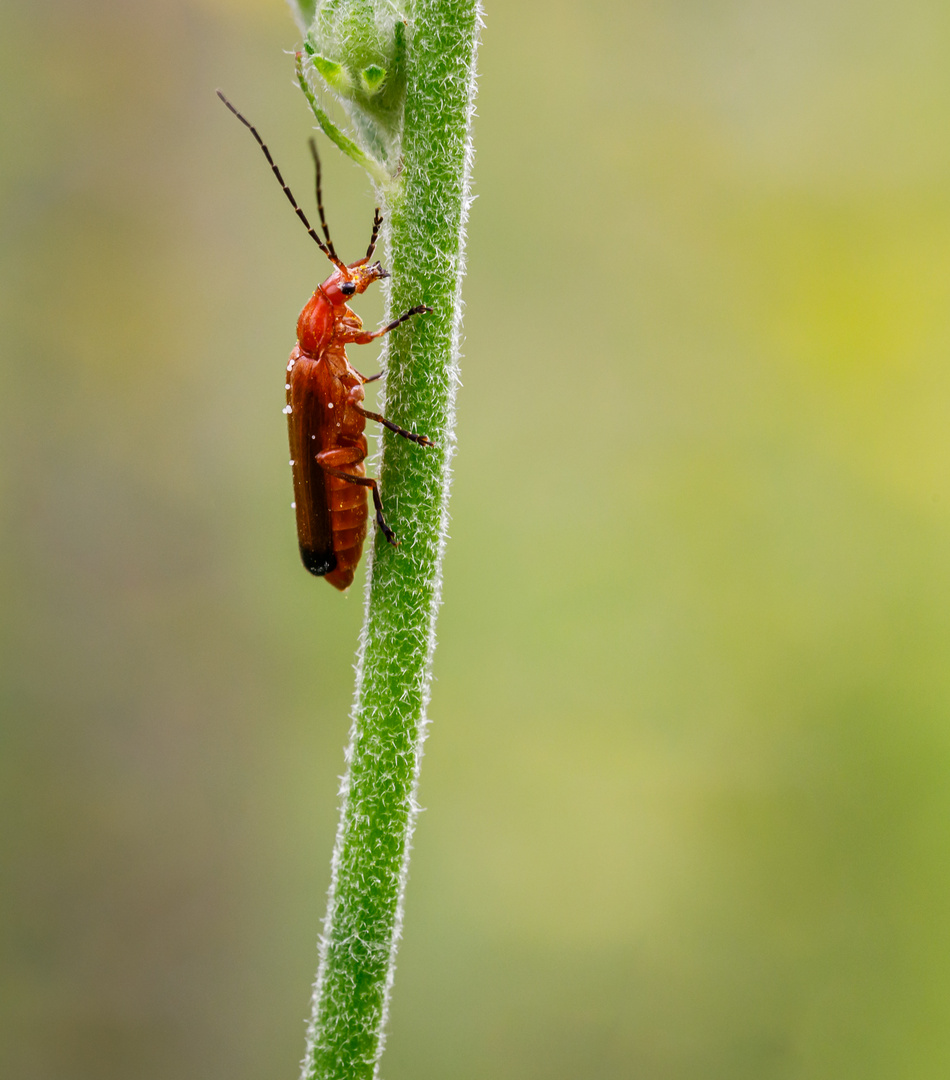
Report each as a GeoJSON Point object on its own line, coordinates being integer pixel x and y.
{"type": "Point", "coordinates": [367, 481]}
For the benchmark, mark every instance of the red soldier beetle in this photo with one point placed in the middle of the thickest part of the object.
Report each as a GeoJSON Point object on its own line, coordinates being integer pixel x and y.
{"type": "Point", "coordinates": [324, 416]}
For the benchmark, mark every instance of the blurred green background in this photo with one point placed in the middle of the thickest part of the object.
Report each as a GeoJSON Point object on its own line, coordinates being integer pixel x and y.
{"type": "Point", "coordinates": [688, 810]}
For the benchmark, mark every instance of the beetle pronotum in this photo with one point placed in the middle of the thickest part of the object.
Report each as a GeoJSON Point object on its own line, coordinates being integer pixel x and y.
{"type": "Point", "coordinates": [324, 416]}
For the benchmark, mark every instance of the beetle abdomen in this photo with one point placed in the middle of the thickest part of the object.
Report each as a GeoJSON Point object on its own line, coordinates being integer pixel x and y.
{"type": "Point", "coordinates": [348, 515]}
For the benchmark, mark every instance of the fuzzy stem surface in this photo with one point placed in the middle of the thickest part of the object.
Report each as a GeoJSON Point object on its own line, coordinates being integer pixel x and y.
{"type": "Point", "coordinates": [425, 207]}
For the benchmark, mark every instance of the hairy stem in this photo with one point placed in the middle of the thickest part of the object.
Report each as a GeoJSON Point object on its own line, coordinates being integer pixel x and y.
{"type": "Point", "coordinates": [425, 208]}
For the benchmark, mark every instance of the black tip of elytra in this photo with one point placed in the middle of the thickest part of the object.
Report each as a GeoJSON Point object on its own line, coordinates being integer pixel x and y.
{"type": "Point", "coordinates": [318, 563]}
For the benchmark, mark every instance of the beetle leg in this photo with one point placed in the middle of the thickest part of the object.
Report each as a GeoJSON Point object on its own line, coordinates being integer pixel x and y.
{"type": "Point", "coordinates": [343, 455]}
{"type": "Point", "coordinates": [367, 378]}
{"type": "Point", "coordinates": [364, 337]}
{"type": "Point", "coordinates": [422, 440]}
{"type": "Point", "coordinates": [365, 481]}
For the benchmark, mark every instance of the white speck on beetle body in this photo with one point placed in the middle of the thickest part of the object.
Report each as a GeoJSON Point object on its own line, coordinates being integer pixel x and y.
{"type": "Point", "coordinates": [329, 404]}
{"type": "Point", "coordinates": [291, 462]}
{"type": "Point", "coordinates": [286, 385]}
{"type": "Point", "coordinates": [286, 410]}
{"type": "Point", "coordinates": [293, 506]}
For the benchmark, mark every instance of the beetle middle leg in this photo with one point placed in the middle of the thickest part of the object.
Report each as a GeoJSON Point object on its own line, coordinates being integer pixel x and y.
{"type": "Point", "coordinates": [353, 399]}
{"type": "Point", "coordinates": [422, 440]}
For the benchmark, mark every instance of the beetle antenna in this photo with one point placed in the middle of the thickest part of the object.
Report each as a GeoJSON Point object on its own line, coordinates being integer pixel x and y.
{"type": "Point", "coordinates": [328, 251]}
{"type": "Point", "coordinates": [323, 220]}
{"type": "Point", "coordinates": [377, 222]}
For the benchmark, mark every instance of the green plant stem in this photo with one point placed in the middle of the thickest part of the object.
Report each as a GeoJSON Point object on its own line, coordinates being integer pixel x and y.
{"type": "Point", "coordinates": [425, 209]}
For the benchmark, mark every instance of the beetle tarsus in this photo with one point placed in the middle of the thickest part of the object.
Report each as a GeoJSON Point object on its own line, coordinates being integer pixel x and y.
{"type": "Point", "coordinates": [387, 532]}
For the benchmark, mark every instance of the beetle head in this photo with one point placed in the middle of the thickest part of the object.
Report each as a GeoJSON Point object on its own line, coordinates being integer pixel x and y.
{"type": "Point", "coordinates": [345, 283]}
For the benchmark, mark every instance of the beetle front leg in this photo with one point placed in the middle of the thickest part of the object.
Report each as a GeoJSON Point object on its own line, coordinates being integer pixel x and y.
{"type": "Point", "coordinates": [363, 337]}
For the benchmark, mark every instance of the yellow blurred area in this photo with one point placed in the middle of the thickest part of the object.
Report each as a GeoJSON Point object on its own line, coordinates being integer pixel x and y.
{"type": "Point", "coordinates": [687, 780]}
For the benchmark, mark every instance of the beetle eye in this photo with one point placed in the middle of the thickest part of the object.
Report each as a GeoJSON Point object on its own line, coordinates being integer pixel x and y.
{"type": "Point", "coordinates": [347, 288]}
